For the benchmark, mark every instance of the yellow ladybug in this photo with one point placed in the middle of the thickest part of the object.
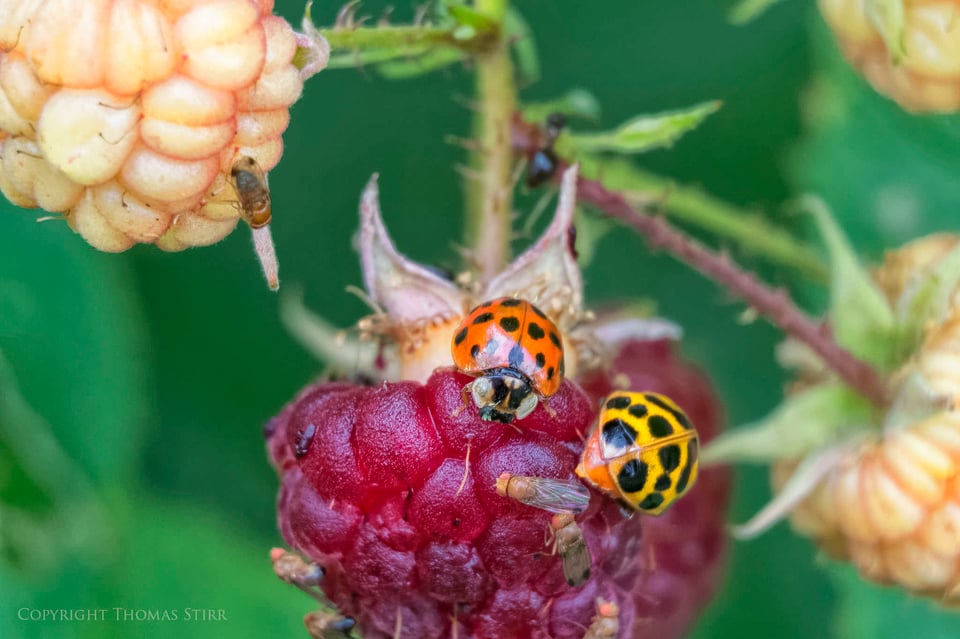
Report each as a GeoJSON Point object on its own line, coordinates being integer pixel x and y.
{"type": "Point", "coordinates": [642, 451]}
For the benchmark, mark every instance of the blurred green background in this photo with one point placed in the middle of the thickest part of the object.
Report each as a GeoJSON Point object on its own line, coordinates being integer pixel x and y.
{"type": "Point", "coordinates": [133, 387]}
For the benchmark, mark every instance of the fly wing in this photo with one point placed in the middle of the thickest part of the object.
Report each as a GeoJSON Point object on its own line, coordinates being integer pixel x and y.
{"type": "Point", "coordinates": [559, 496]}
{"type": "Point", "coordinates": [576, 562]}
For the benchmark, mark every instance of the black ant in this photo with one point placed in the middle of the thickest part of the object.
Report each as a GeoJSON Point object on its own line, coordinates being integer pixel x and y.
{"type": "Point", "coordinates": [543, 164]}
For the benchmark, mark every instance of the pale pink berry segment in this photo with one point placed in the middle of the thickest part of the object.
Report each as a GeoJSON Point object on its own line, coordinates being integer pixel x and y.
{"type": "Point", "coordinates": [392, 489]}
{"type": "Point", "coordinates": [891, 505]}
{"type": "Point", "coordinates": [922, 72]}
{"type": "Point", "coordinates": [127, 115]}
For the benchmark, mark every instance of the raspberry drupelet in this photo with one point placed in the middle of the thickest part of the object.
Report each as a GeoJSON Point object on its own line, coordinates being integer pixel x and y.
{"type": "Point", "coordinates": [394, 495]}
{"type": "Point", "coordinates": [911, 55]}
{"type": "Point", "coordinates": [391, 486]}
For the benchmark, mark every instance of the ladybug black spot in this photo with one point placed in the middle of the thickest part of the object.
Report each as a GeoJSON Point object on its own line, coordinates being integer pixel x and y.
{"type": "Point", "coordinates": [632, 476]}
{"type": "Point", "coordinates": [509, 324]}
{"type": "Point", "coordinates": [663, 482]}
{"type": "Point", "coordinates": [659, 427]}
{"type": "Point", "coordinates": [482, 318]}
{"type": "Point", "coordinates": [618, 402]}
{"type": "Point", "coordinates": [638, 410]}
{"type": "Point", "coordinates": [537, 312]}
{"type": "Point", "coordinates": [618, 434]}
{"type": "Point", "coordinates": [462, 335]}
{"type": "Point", "coordinates": [670, 457]}
{"type": "Point", "coordinates": [684, 478]}
{"type": "Point", "coordinates": [534, 331]}
{"type": "Point", "coordinates": [651, 501]}
{"type": "Point", "coordinates": [555, 339]}
{"type": "Point", "coordinates": [541, 360]}
{"type": "Point", "coordinates": [550, 373]}
{"type": "Point", "coordinates": [474, 351]}
{"type": "Point", "coordinates": [679, 416]}
{"type": "Point", "coordinates": [511, 302]}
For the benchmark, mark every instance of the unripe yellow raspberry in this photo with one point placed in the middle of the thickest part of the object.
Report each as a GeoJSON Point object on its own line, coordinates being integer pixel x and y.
{"type": "Point", "coordinates": [128, 115]}
{"type": "Point", "coordinates": [892, 505]}
{"type": "Point", "coordinates": [913, 59]}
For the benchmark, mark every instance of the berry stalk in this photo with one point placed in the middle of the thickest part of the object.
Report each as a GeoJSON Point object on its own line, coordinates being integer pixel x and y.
{"type": "Point", "coordinates": [489, 201]}
{"type": "Point", "coordinates": [691, 205]}
{"type": "Point", "coordinates": [774, 304]}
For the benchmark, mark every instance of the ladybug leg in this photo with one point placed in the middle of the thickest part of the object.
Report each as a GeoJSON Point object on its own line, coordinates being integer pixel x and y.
{"type": "Point", "coordinates": [465, 400]}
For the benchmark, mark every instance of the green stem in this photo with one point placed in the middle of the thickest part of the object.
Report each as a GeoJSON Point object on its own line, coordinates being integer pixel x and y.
{"type": "Point", "coordinates": [490, 196]}
{"type": "Point", "coordinates": [386, 37]}
{"type": "Point", "coordinates": [373, 56]}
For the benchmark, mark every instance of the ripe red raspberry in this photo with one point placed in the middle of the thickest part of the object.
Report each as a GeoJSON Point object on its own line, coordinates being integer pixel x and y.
{"type": "Point", "coordinates": [392, 491]}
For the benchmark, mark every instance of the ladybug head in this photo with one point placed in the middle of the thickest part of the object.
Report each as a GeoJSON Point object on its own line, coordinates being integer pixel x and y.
{"type": "Point", "coordinates": [502, 395]}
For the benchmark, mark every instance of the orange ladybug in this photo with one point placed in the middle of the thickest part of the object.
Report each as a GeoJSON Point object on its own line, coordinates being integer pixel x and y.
{"type": "Point", "coordinates": [515, 351]}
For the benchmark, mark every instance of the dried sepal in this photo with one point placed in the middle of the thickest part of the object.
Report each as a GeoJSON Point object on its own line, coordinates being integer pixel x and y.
{"type": "Point", "coordinates": [804, 422]}
{"type": "Point", "coordinates": [335, 346]}
{"type": "Point", "coordinates": [804, 480]}
{"type": "Point", "coordinates": [928, 298]}
{"type": "Point", "coordinates": [547, 272]}
{"type": "Point", "coordinates": [313, 50]}
{"type": "Point", "coordinates": [887, 499]}
{"type": "Point", "coordinates": [861, 318]}
{"type": "Point", "coordinates": [613, 331]}
{"type": "Point", "coordinates": [406, 291]}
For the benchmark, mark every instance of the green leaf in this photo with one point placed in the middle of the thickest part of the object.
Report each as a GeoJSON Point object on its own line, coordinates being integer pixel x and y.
{"type": "Point", "coordinates": [470, 17]}
{"type": "Point", "coordinates": [860, 316]}
{"type": "Point", "coordinates": [644, 132]}
{"type": "Point", "coordinates": [524, 46]}
{"type": "Point", "coordinates": [574, 103]}
{"type": "Point", "coordinates": [803, 422]}
{"type": "Point", "coordinates": [72, 328]}
{"type": "Point", "coordinates": [173, 557]}
{"type": "Point", "coordinates": [927, 301]}
{"type": "Point", "coordinates": [47, 505]}
{"type": "Point", "coordinates": [887, 16]}
{"type": "Point", "coordinates": [869, 611]}
{"type": "Point", "coordinates": [411, 67]}
{"type": "Point", "coordinates": [747, 10]}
